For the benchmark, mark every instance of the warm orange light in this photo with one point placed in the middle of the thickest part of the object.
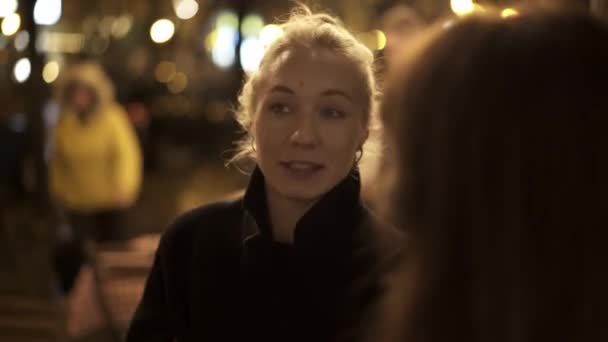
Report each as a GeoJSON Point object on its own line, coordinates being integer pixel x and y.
{"type": "Point", "coordinates": [508, 12]}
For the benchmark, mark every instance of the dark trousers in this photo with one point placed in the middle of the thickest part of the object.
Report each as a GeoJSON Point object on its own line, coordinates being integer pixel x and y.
{"type": "Point", "coordinates": [100, 226]}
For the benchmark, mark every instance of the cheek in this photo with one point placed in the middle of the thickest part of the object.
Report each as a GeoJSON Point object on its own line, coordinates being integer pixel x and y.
{"type": "Point", "coordinates": [267, 136]}
{"type": "Point", "coordinates": [343, 141]}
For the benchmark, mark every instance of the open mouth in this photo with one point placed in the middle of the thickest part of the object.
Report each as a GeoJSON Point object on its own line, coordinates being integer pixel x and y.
{"type": "Point", "coordinates": [302, 168]}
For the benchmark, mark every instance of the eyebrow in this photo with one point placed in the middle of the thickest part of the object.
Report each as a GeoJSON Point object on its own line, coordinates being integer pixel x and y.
{"type": "Point", "coordinates": [328, 92]}
{"type": "Point", "coordinates": [282, 89]}
{"type": "Point", "coordinates": [337, 92]}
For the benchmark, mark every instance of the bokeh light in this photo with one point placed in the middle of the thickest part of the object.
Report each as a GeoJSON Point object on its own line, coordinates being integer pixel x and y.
{"type": "Point", "coordinates": [162, 31]}
{"type": "Point", "coordinates": [374, 39]}
{"type": "Point", "coordinates": [269, 34]}
{"type": "Point", "coordinates": [227, 18]}
{"type": "Point", "coordinates": [22, 39]}
{"type": "Point", "coordinates": [210, 41]}
{"type": "Point", "coordinates": [221, 42]}
{"type": "Point", "coordinates": [11, 24]}
{"type": "Point", "coordinates": [47, 12]}
{"type": "Point", "coordinates": [508, 12]}
{"type": "Point", "coordinates": [105, 26]}
{"type": "Point", "coordinates": [448, 24]}
{"type": "Point", "coordinates": [185, 9]}
{"type": "Point", "coordinates": [380, 39]}
{"type": "Point", "coordinates": [121, 26]}
{"type": "Point", "coordinates": [50, 72]}
{"type": "Point", "coordinates": [8, 7]}
{"type": "Point", "coordinates": [251, 53]}
{"type": "Point", "coordinates": [462, 7]}
{"type": "Point", "coordinates": [251, 25]}
{"type": "Point", "coordinates": [59, 42]}
{"type": "Point", "coordinates": [22, 70]}
{"type": "Point", "coordinates": [223, 54]}
{"type": "Point", "coordinates": [178, 83]}
{"type": "Point", "coordinates": [165, 71]}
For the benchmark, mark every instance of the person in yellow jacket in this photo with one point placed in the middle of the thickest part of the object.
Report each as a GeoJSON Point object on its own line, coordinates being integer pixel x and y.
{"type": "Point", "coordinates": [95, 168]}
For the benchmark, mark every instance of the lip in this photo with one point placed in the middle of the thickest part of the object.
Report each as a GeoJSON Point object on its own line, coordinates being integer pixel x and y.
{"type": "Point", "coordinates": [301, 169]}
{"type": "Point", "coordinates": [301, 164]}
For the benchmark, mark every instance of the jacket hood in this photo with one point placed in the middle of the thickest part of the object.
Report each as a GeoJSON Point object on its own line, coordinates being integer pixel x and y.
{"type": "Point", "coordinates": [91, 75]}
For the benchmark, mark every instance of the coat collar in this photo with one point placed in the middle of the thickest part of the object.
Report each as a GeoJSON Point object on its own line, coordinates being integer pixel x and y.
{"type": "Point", "coordinates": [331, 222]}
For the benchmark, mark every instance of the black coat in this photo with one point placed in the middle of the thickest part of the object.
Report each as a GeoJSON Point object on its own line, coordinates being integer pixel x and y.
{"type": "Point", "coordinates": [219, 276]}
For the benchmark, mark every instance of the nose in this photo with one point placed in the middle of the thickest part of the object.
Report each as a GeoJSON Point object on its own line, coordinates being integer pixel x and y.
{"type": "Point", "coordinates": [305, 132]}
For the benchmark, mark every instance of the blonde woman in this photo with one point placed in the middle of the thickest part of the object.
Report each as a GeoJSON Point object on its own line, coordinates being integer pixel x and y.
{"type": "Point", "coordinates": [298, 257]}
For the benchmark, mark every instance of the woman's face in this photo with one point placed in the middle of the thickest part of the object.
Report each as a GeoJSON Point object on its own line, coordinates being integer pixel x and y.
{"type": "Point", "coordinates": [82, 97]}
{"type": "Point", "coordinates": [309, 122]}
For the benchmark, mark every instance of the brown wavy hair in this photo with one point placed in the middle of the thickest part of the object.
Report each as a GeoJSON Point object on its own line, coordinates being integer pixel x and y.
{"type": "Point", "coordinates": [498, 143]}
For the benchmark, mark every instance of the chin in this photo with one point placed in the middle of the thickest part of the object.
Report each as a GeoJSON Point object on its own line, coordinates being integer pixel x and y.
{"type": "Point", "coordinates": [305, 189]}
{"type": "Point", "coordinates": [305, 194]}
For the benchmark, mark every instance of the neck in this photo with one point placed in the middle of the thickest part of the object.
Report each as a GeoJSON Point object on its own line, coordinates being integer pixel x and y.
{"type": "Point", "coordinates": [284, 214]}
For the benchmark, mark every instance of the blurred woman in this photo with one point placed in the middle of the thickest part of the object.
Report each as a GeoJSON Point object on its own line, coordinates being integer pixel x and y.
{"type": "Point", "coordinates": [297, 258]}
{"type": "Point", "coordinates": [95, 168]}
{"type": "Point", "coordinates": [498, 174]}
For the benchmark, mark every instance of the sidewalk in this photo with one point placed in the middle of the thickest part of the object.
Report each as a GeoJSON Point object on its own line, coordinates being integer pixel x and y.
{"type": "Point", "coordinates": [31, 308]}
{"type": "Point", "coordinates": [101, 305]}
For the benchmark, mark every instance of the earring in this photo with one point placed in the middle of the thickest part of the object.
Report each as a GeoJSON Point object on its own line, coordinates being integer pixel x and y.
{"type": "Point", "coordinates": [358, 155]}
{"type": "Point", "coordinates": [253, 145]}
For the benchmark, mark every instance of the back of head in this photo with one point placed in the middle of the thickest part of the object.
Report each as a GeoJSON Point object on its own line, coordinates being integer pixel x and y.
{"type": "Point", "coordinates": [497, 128]}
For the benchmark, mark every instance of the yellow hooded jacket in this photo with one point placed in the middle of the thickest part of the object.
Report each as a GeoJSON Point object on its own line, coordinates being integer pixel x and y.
{"type": "Point", "coordinates": [96, 165]}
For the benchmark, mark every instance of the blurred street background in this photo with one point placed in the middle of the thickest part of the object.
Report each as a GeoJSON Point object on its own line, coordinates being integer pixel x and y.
{"type": "Point", "coordinates": [176, 66]}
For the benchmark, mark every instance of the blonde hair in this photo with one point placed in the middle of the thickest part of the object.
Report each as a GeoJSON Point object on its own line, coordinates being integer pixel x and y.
{"type": "Point", "coordinates": [303, 28]}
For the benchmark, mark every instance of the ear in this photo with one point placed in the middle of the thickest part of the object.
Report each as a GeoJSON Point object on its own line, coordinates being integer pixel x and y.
{"type": "Point", "coordinates": [251, 129]}
{"type": "Point", "coordinates": [364, 136]}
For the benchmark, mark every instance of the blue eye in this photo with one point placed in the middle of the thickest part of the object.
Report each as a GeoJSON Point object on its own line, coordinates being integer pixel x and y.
{"type": "Point", "coordinates": [279, 108]}
{"type": "Point", "coordinates": [332, 113]}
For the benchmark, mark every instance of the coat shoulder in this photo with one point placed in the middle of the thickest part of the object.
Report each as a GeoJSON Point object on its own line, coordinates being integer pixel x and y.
{"type": "Point", "coordinates": [385, 234]}
{"type": "Point", "coordinates": [387, 243]}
